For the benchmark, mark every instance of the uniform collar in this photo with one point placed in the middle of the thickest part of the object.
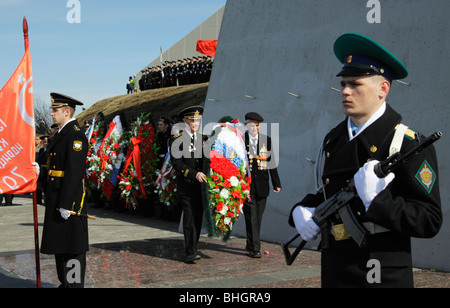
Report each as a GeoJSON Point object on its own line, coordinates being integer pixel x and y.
{"type": "Point", "coordinates": [59, 130]}
{"type": "Point", "coordinates": [361, 128]}
{"type": "Point", "coordinates": [191, 135]}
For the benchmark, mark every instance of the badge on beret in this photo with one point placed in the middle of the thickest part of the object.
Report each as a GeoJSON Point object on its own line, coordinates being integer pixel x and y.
{"type": "Point", "coordinates": [77, 145]}
{"type": "Point", "coordinates": [426, 176]}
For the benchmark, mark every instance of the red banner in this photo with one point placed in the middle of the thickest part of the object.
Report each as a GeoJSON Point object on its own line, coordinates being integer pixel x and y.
{"type": "Point", "coordinates": [17, 137]}
{"type": "Point", "coordinates": [207, 47]}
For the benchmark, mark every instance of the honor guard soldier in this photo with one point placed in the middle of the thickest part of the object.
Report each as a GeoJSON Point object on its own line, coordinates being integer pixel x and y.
{"type": "Point", "coordinates": [187, 159]}
{"type": "Point", "coordinates": [65, 232]}
{"type": "Point", "coordinates": [260, 159]}
{"type": "Point", "coordinates": [393, 209]}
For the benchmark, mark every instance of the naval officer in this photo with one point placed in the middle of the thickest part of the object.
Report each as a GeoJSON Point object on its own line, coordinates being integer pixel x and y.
{"type": "Point", "coordinates": [186, 149]}
{"type": "Point", "coordinates": [66, 235]}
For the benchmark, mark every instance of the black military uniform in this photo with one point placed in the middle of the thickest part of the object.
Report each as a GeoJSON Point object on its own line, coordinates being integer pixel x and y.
{"type": "Point", "coordinates": [408, 207]}
{"type": "Point", "coordinates": [41, 159]}
{"type": "Point", "coordinates": [209, 67]}
{"type": "Point", "coordinates": [66, 239]}
{"type": "Point", "coordinates": [259, 156]}
{"type": "Point", "coordinates": [187, 160]}
{"type": "Point", "coordinates": [142, 81]}
{"type": "Point", "coordinates": [179, 73]}
{"type": "Point", "coordinates": [162, 139]}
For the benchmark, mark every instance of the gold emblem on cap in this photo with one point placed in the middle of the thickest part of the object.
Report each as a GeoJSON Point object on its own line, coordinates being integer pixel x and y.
{"type": "Point", "coordinates": [197, 113]}
{"type": "Point", "coordinates": [349, 59]}
{"type": "Point", "coordinates": [382, 70]}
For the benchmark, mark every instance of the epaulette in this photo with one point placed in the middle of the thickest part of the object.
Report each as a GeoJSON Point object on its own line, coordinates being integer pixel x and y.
{"type": "Point", "coordinates": [409, 134]}
{"type": "Point", "coordinates": [178, 135]}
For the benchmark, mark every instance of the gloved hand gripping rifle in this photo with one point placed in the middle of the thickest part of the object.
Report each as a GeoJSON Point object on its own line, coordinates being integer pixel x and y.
{"type": "Point", "coordinates": [338, 204]}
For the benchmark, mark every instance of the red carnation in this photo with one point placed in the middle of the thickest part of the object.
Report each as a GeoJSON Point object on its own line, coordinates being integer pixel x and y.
{"type": "Point", "coordinates": [236, 194]}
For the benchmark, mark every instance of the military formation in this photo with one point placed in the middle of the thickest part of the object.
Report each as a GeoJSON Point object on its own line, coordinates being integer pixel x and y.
{"type": "Point", "coordinates": [176, 73]}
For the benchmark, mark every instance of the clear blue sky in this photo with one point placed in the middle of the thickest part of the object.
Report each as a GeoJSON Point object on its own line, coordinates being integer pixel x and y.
{"type": "Point", "coordinates": [92, 60]}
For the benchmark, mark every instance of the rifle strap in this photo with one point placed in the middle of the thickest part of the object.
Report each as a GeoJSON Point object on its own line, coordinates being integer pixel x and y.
{"type": "Point", "coordinates": [397, 141]}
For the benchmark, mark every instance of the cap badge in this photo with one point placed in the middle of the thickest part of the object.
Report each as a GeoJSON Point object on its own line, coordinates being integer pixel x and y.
{"type": "Point", "coordinates": [349, 59]}
{"type": "Point", "coordinates": [197, 113]}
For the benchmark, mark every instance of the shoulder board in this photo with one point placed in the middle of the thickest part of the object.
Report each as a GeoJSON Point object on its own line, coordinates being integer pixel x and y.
{"type": "Point", "coordinates": [409, 134]}
{"type": "Point", "coordinates": [177, 135]}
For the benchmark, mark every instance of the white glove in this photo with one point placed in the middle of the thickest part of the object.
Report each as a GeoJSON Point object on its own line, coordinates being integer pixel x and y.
{"type": "Point", "coordinates": [304, 223]}
{"type": "Point", "coordinates": [64, 213]}
{"type": "Point", "coordinates": [36, 165]}
{"type": "Point", "coordinates": [368, 184]}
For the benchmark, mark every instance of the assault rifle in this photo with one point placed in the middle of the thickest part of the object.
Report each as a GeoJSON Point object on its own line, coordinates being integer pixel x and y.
{"type": "Point", "coordinates": [339, 203]}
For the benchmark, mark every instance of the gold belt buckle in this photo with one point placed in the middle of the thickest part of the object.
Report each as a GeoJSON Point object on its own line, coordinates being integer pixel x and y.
{"type": "Point", "coordinates": [56, 173]}
{"type": "Point", "coordinates": [340, 232]}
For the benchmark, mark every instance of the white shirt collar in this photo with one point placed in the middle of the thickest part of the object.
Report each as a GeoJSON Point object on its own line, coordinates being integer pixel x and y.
{"type": "Point", "coordinates": [189, 133]}
{"type": "Point", "coordinates": [372, 119]}
{"type": "Point", "coordinates": [59, 130]}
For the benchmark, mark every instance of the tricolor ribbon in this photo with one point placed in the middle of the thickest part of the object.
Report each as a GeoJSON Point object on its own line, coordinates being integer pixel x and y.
{"type": "Point", "coordinates": [159, 183]}
{"type": "Point", "coordinates": [232, 125]}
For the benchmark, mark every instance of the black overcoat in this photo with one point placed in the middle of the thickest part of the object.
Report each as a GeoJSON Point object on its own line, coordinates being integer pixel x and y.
{"type": "Point", "coordinates": [67, 153]}
{"type": "Point", "coordinates": [409, 207]}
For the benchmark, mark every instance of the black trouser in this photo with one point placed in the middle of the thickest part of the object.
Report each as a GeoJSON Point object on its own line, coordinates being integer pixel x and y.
{"type": "Point", "coordinates": [8, 199]}
{"type": "Point", "coordinates": [253, 212]}
{"type": "Point", "coordinates": [68, 274]}
{"type": "Point", "coordinates": [191, 204]}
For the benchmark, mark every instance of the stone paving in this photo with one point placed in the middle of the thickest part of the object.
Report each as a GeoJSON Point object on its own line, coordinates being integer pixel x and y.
{"type": "Point", "coordinates": [129, 251]}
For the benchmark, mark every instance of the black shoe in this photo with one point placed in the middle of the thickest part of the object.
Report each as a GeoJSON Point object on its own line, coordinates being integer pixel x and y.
{"type": "Point", "coordinates": [192, 258]}
{"type": "Point", "coordinates": [254, 254]}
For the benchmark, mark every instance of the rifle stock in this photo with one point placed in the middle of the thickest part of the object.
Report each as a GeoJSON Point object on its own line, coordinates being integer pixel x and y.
{"type": "Point", "coordinates": [290, 258]}
{"type": "Point", "coordinates": [339, 202]}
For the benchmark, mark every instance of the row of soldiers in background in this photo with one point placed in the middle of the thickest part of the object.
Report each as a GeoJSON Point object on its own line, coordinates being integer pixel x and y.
{"type": "Point", "coordinates": [182, 72]}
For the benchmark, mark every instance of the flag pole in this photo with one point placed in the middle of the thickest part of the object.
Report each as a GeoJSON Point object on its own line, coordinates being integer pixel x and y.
{"type": "Point", "coordinates": [35, 213]}
{"type": "Point", "coordinates": [36, 242]}
{"type": "Point", "coordinates": [25, 32]}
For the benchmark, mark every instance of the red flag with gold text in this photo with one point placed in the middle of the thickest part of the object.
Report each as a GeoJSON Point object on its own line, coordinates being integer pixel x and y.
{"type": "Point", "coordinates": [17, 130]}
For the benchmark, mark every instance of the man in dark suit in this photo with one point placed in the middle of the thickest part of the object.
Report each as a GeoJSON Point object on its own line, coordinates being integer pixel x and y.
{"type": "Point", "coordinates": [260, 155]}
{"type": "Point", "coordinates": [65, 232]}
{"type": "Point", "coordinates": [393, 209]}
{"type": "Point", "coordinates": [186, 149]}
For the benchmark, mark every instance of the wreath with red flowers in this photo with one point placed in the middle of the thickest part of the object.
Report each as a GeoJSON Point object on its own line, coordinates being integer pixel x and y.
{"type": "Point", "coordinates": [228, 182]}
{"type": "Point", "coordinates": [93, 162]}
{"type": "Point", "coordinates": [138, 177]}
